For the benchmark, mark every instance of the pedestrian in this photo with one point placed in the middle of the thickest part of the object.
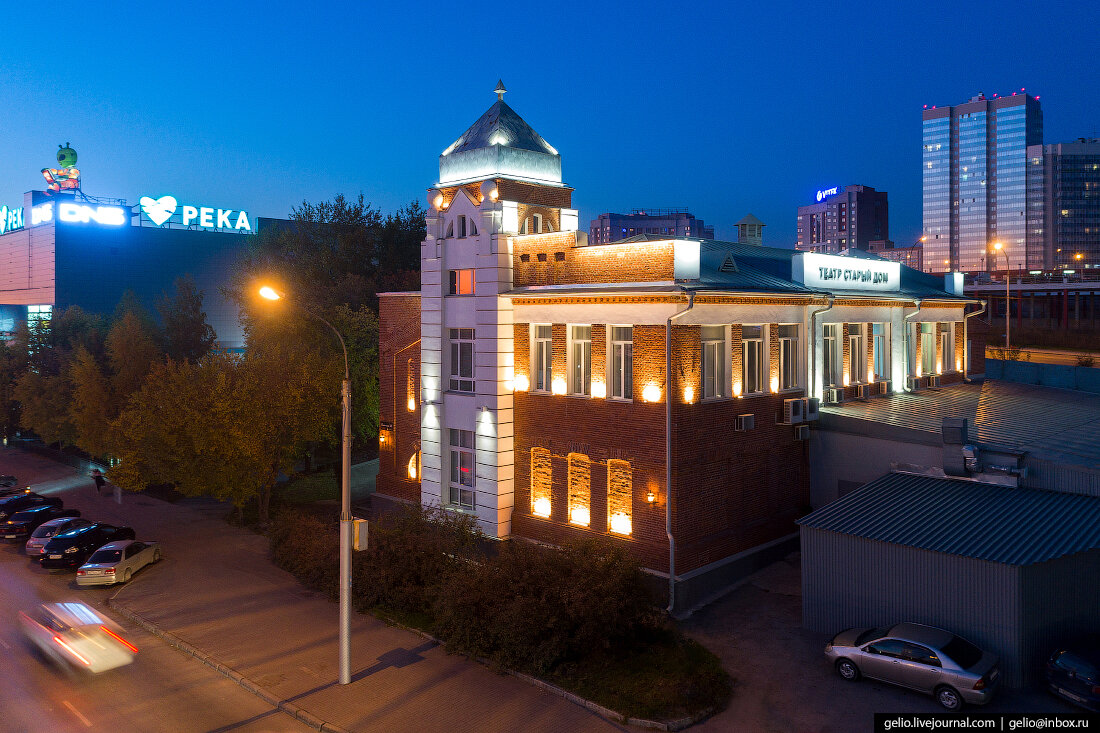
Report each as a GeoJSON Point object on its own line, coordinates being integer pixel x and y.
{"type": "Point", "coordinates": [97, 476]}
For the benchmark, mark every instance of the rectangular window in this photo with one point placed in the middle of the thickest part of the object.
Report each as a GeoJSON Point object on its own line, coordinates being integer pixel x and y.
{"type": "Point", "coordinates": [880, 344]}
{"type": "Point", "coordinates": [752, 359]}
{"type": "Point", "coordinates": [788, 356]}
{"type": "Point", "coordinates": [543, 354]}
{"type": "Point", "coordinates": [619, 496]}
{"type": "Point", "coordinates": [857, 354]}
{"type": "Point", "coordinates": [462, 468]}
{"type": "Point", "coordinates": [462, 360]}
{"type": "Point", "coordinates": [947, 348]}
{"type": "Point", "coordinates": [831, 355]}
{"type": "Point", "coordinates": [580, 489]}
{"type": "Point", "coordinates": [714, 361]}
{"type": "Point", "coordinates": [580, 360]}
{"type": "Point", "coordinates": [462, 282]}
{"type": "Point", "coordinates": [461, 226]}
{"type": "Point", "coordinates": [622, 362]}
{"type": "Point", "coordinates": [541, 475]}
{"type": "Point", "coordinates": [927, 348]}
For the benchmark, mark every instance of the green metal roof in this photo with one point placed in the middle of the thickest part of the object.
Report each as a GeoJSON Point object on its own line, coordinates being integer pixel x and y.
{"type": "Point", "coordinates": [967, 518]}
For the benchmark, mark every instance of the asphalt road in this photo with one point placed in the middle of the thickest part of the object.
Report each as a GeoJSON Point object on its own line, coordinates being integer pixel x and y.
{"type": "Point", "coordinates": [163, 690]}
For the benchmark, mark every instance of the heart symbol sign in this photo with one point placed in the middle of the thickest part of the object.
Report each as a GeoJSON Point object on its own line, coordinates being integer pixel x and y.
{"type": "Point", "coordinates": [158, 210]}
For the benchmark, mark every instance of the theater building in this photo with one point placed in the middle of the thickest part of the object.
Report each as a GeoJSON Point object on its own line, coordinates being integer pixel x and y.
{"type": "Point", "coordinates": [658, 391]}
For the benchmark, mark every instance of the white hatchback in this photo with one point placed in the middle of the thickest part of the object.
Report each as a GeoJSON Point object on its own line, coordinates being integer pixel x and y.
{"type": "Point", "coordinates": [116, 562]}
{"type": "Point", "coordinates": [74, 635]}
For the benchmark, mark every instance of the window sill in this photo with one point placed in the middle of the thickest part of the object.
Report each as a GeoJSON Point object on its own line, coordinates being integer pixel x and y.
{"type": "Point", "coordinates": [622, 400]}
{"type": "Point", "coordinates": [790, 390]}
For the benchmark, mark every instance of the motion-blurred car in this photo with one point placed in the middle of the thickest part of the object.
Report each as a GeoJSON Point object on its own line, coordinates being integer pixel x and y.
{"type": "Point", "coordinates": [7, 481]}
{"type": "Point", "coordinates": [46, 531]}
{"type": "Point", "coordinates": [919, 657]}
{"type": "Point", "coordinates": [117, 562]}
{"type": "Point", "coordinates": [73, 634]}
{"type": "Point", "coordinates": [1073, 673]}
{"type": "Point", "coordinates": [12, 504]}
{"type": "Point", "coordinates": [71, 549]}
{"type": "Point", "coordinates": [22, 523]}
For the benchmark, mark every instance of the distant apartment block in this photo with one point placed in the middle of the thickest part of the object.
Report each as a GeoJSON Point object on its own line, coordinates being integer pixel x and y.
{"type": "Point", "coordinates": [1064, 180]}
{"type": "Point", "coordinates": [674, 222]}
{"type": "Point", "coordinates": [911, 256]}
{"type": "Point", "coordinates": [843, 217]}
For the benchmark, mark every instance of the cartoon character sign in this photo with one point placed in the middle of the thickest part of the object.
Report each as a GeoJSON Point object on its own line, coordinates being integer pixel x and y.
{"type": "Point", "coordinates": [65, 178]}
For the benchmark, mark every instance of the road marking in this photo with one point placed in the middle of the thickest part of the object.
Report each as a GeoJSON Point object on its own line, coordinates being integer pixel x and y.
{"type": "Point", "coordinates": [87, 723]}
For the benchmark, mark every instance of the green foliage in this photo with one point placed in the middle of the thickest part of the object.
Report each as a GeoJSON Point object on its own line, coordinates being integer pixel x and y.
{"type": "Point", "coordinates": [132, 349]}
{"type": "Point", "coordinates": [309, 548]}
{"type": "Point", "coordinates": [13, 364]}
{"type": "Point", "coordinates": [188, 337]}
{"type": "Point", "coordinates": [44, 399]}
{"type": "Point", "coordinates": [91, 399]}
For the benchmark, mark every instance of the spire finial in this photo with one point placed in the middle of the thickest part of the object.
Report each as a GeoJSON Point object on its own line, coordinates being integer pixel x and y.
{"type": "Point", "coordinates": [500, 90]}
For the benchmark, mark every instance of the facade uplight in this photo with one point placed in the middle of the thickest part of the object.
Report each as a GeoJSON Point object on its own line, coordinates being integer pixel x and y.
{"type": "Point", "coordinates": [541, 507]}
{"type": "Point", "coordinates": [599, 390]}
{"type": "Point", "coordinates": [651, 393]}
{"type": "Point", "coordinates": [557, 386]}
{"type": "Point", "coordinates": [689, 395]}
{"type": "Point", "coordinates": [412, 404]}
{"type": "Point", "coordinates": [520, 383]}
{"type": "Point", "coordinates": [620, 524]}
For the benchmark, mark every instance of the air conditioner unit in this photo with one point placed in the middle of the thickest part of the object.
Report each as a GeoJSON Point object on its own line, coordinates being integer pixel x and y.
{"type": "Point", "coordinates": [863, 391]}
{"type": "Point", "coordinates": [914, 383]}
{"type": "Point", "coordinates": [834, 395]}
{"type": "Point", "coordinates": [802, 432]}
{"type": "Point", "coordinates": [809, 409]}
{"type": "Point", "coordinates": [883, 386]}
{"type": "Point", "coordinates": [745, 422]}
{"type": "Point", "coordinates": [792, 411]}
{"type": "Point", "coordinates": [933, 380]}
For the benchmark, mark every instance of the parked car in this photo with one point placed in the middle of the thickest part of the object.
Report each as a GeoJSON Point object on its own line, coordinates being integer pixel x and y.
{"type": "Point", "coordinates": [920, 657]}
{"type": "Point", "coordinates": [25, 500]}
{"type": "Point", "coordinates": [71, 549]}
{"type": "Point", "coordinates": [73, 634]}
{"type": "Point", "coordinates": [46, 531]}
{"type": "Point", "coordinates": [22, 523]}
{"type": "Point", "coordinates": [117, 562]}
{"type": "Point", "coordinates": [7, 481]}
{"type": "Point", "coordinates": [1073, 673]}
{"type": "Point", "coordinates": [10, 491]}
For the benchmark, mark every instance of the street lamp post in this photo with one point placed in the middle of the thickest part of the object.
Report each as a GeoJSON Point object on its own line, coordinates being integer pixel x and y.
{"type": "Point", "coordinates": [345, 500]}
{"type": "Point", "coordinates": [1008, 282]}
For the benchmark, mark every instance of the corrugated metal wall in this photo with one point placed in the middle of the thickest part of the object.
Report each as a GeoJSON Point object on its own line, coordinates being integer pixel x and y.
{"type": "Point", "coordinates": [1061, 603]}
{"type": "Point", "coordinates": [850, 581]}
{"type": "Point", "coordinates": [1060, 476]}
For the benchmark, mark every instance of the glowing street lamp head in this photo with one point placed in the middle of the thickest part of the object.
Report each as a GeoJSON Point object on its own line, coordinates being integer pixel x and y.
{"type": "Point", "coordinates": [997, 246]}
{"type": "Point", "coordinates": [269, 293]}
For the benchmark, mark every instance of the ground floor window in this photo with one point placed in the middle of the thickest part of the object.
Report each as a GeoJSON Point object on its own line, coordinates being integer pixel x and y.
{"type": "Point", "coordinates": [752, 359]}
{"type": "Point", "coordinates": [580, 489]}
{"type": "Point", "coordinates": [541, 479]}
{"type": "Point", "coordinates": [880, 344]}
{"type": "Point", "coordinates": [832, 356]}
{"type": "Point", "coordinates": [788, 356]}
{"type": "Point", "coordinates": [928, 348]}
{"type": "Point", "coordinates": [857, 354]}
{"type": "Point", "coordinates": [619, 496]}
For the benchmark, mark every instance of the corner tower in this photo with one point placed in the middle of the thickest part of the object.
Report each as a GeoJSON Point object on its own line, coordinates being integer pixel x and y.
{"type": "Point", "coordinates": [499, 180]}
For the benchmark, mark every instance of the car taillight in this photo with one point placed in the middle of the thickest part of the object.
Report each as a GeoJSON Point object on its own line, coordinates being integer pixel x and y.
{"type": "Point", "coordinates": [110, 570]}
{"type": "Point", "coordinates": [980, 684]}
{"type": "Point", "coordinates": [127, 644]}
{"type": "Point", "coordinates": [80, 572]}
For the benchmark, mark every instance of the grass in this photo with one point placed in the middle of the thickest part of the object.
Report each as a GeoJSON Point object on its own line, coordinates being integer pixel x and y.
{"type": "Point", "coordinates": [306, 488]}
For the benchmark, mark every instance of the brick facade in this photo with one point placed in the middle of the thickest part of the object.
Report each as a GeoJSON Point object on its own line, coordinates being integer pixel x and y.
{"type": "Point", "coordinates": [398, 380]}
{"type": "Point", "coordinates": [553, 259]}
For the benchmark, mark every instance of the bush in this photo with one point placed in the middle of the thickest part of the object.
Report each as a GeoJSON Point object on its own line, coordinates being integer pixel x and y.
{"type": "Point", "coordinates": [1085, 360]}
{"type": "Point", "coordinates": [308, 548]}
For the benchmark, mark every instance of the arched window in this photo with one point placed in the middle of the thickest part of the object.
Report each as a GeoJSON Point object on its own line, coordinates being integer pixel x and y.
{"type": "Point", "coordinates": [580, 489]}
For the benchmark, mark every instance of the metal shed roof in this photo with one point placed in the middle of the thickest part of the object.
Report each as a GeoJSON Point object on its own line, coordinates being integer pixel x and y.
{"type": "Point", "coordinates": [982, 521]}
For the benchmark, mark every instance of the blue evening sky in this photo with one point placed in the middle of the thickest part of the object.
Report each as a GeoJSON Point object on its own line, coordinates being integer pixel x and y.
{"type": "Point", "coordinates": [725, 108]}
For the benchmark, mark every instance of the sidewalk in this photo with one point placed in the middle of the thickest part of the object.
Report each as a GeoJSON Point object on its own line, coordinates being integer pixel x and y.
{"type": "Point", "coordinates": [217, 596]}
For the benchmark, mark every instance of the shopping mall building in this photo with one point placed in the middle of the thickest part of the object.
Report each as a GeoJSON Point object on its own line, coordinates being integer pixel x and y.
{"type": "Point", "coordinates": [658, 392]}
{"type": "Point", "coordinates": [66, 249]}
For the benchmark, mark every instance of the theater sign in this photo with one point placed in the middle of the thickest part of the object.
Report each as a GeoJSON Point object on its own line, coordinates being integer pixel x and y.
{"type": "Point", "coordinates": [833, 272]}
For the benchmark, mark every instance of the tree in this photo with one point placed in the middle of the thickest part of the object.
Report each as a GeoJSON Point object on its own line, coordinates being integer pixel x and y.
{"type": "Point", "coordinates": [91, 400]}
{"type": "Point", "coordinates": [132, 349]}
{"type": "Point", "coordinates": [13, 364]}
{"type": "Point", "coordinates": [187, 334]}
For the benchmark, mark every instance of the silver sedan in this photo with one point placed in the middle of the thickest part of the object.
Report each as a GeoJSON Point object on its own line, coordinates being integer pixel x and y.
{"type": "Point", "coordinates": [919, 657]}
{"type": "Point", "coordinates": [117, 562]}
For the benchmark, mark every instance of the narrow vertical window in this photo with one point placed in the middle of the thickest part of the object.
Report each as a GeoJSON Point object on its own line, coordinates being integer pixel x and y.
{"type": "Point", "coordinates": [832, 358]}
{"type": "Point", "coordinates": [536, 223]}
{"type": "Point", "coordinates": [461, 225]}
{"type": "Point", "coordinates": [580, 360]}
{"type": "Point", "coordinates": [879, 345]}
{"type": "Point", "coordinates": [622, 362]}
{"type": "Point", "coordinates": [580, 489]}
{"type": "Point", "coordinates": [928, 348]}
{"type": "Point", "coordinates": [857, 359]}
{"type": "Point", "coordinates": [541, 475]}
{"type": "Point", "coordinates": [788, 356]}
{"type": "Point", "coordinates": [714, 361]}
{"type": "Point", "coordinates": [462, 468]}
{"type": "Point", "coordinates": [752, 359]}
{"type": "Point", "coordinates": [543, 355]}
{"type": "Point", "coordinates": [462, 360]}
{"type": "Point", "coordinates": [619, 497]}
{"type": "Point", "coordinates": [947, 349]}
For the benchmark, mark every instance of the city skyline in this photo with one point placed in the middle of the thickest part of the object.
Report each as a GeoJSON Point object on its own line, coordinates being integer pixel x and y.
{"type": "Point", "coordinates": [227, 125]}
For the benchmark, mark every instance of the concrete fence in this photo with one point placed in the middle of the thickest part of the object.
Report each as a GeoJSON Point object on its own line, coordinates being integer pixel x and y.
{"type": "Point", "coordinates": [1085, 379]}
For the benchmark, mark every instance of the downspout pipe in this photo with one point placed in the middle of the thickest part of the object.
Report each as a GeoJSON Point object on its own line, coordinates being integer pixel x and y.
{"type": "Point", "coordinates": [668, 453]}
{"type": "Point", "coordinates": [812, 341]}
{"type": "Point", "coordinates": [905, 343]}
{"type": "Point", "coordinates": [966, 340]}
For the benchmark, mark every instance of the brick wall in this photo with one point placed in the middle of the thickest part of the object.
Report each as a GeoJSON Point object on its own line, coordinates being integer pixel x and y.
{"type": "Point", "coordinates": [398, 376]}
{"type": "Point", "coordinates": [555, 260]}
{"type": "Point", "coordinates": [531, 193]}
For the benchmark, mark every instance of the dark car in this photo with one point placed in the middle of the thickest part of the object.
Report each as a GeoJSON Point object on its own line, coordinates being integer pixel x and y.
{"type": "Point", "coordinates": [26, 500]}
{"type": "Point", "coordinates": [6, 492]}
{"type": "Point", "coordinates": [7, 481]}
{"type": "Point", "coordinates": [1073, 673]}
{"type": "Point", "coordinates": [46, 531]}
{"type": "Point", "coordinates": [73, 548]}
{"type": "Point", "coordinates": [22, 523]}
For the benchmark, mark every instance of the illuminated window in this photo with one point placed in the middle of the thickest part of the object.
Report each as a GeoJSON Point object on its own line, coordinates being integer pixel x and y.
{"type": "Point", "coordinates": [880, 345]}
{"type": "Point", "coordinates": [619, 496]}
{"type": "Point", "coordinates": [410, 386]}
{"type": "Point", "coordinates": [788, 356]}
{"type": "Point", "coordinates": [857, 355]}
{"type": "Point", "coordinates": [622, 362]}
{"type": "Point", "coordinates": [714, 361]}
{"type": "Point", "coordinates": [928, 348]}
{"type": "Point", "coordinates": [542, 357]}
{"type": "Point", "coordinates": [462, 468]}
{"type": "Point", "coordinates": [580, 489]}
{"type": "Point", "coordinates": [580, 360]}
{"type": "Point", "coordinates": [461, 282]}
{"type": "Point", "coordinates": [832, 358]}
{"type": "Point", "coordinates": [752, 359]}
{"type": "Point", "coordinates": [462, 360]}
{"type": "Point", "coordinates": [541, 475]}
{"type": "Point", "coordinates": [947, 348]}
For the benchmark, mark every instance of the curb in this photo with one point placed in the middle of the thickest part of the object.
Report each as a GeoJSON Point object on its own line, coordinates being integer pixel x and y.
{"type": "Point", "coordinates": [284, 706]}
